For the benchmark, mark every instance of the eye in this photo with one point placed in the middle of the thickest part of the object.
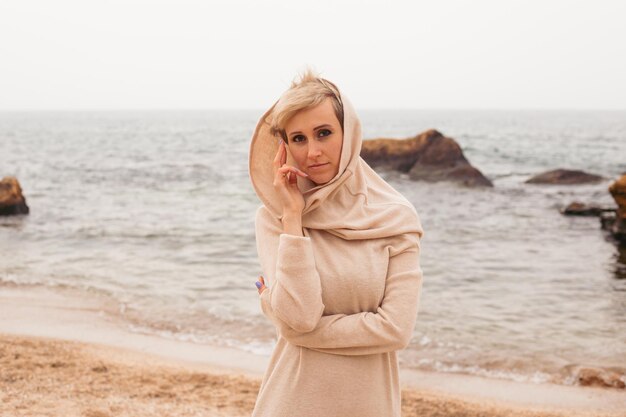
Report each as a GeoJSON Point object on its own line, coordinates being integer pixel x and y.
{"type": "Point", "coordinates": [295, 138]}
{"type": "Point", "coordinates": [324, 132]}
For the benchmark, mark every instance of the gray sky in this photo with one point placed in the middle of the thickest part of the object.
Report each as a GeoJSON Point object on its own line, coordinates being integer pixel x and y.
{"type": "Point", "coordinates": [131, 54]}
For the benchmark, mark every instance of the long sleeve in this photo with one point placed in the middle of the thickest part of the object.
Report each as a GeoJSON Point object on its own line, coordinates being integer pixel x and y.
{"type": "Point", "coordinates": [294, 293]}
{"type": "Point", "coordinates": [390, 328]}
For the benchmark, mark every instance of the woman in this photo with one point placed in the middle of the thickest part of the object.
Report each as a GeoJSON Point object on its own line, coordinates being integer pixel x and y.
{"type": "Point", "coordinates": [339, 250]}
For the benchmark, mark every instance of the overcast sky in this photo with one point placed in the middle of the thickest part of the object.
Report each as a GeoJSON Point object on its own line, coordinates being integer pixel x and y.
{"type": "Point", "coordinates": [435, 54]}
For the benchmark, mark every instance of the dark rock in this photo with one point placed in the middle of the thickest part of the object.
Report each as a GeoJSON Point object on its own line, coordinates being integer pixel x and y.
{"type": "Point", "coordinates": [580, 209]}
{"type": "Point", "coordinates": [599, 378]}
{"type": "Point", "coordinates": [617, 224]}
{"type": "Point", "coordinates": [429, 156]}
{"type": "Point", "coordinates": [618, 191]}
{"type": "Point", "coordinates": [564, 176]}
{"type": "Point", "coordinates": [619, 266]}
{"type": "Point", "coordinates": [11, 199]}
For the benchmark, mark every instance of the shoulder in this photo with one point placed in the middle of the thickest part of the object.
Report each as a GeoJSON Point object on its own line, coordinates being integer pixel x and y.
{"type": "Point", "coordinates": [405, 242]}
{"type": "Point", "coordinates": [410, 231]}
{"type": "Point", "coordinates": [408, 223]}
{"type": "Point", "coordinates": [265, 221]}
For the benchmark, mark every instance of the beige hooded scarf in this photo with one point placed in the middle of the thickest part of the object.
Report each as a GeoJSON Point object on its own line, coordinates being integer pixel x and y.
{"type": "Point", "coordinates": [344, 297]}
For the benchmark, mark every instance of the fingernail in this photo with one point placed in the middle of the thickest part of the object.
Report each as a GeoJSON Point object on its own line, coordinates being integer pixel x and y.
{"type": "Point", "coordinates": [258, 285]}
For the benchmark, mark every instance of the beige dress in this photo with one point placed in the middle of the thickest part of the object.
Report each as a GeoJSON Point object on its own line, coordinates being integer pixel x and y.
{"type": "Point", "coordinates": [342, 311]}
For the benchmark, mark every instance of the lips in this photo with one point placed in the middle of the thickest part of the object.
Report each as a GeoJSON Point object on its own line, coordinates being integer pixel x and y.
{"type": "Point", "coordinates": [318, 165]}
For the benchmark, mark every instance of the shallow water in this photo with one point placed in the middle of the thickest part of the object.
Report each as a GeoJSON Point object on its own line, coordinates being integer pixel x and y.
{"type": "Point", "coordinates": [154, 212]}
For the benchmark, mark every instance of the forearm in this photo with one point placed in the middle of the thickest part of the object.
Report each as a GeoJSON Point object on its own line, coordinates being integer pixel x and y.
{"type": "Point", "coordinates": [292, 224]}
{"type": "Point", "coordinates": [296, 294]}
{"type": "Point", "coordinates": [388, 329]}
{"type": "Point", "coordinates": [294, 290]}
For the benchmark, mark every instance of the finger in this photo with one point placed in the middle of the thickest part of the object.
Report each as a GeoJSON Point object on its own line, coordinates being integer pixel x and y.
{"type": "Point", "coordinates": [287, 176]}
{"type": "Point", "coordinates": [278, 157]}
{"type": "Point", "coordinates": [284, 156]}
{"type": "Point", "coordinates": [287, 168]}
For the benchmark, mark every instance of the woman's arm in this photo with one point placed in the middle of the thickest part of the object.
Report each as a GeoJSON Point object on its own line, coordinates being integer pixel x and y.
{"type": "Point", "coordinates": [390, 328]}
{"type": "Point", "coordinates": [294, 294]}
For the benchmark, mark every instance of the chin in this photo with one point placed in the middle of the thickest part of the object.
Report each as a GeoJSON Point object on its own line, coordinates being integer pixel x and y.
{"type": "Point", "coordinates": [320, 181]}
{"type": "Point", "coordinates": [317, 180]}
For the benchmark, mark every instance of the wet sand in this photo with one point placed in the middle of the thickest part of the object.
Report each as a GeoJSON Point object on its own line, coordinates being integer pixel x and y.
{"type": "Point", "coordinates": [60, 357]}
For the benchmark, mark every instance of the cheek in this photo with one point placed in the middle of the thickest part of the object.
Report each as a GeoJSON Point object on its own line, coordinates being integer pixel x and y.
{"type": "Point", "coordinates": [299, 158]}
{"type": "Point", "coordinates": [338, 153]}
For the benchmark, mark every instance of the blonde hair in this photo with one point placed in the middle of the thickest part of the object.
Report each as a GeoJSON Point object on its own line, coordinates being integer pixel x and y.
{"type": "Point", "coordinates": [307, 91]}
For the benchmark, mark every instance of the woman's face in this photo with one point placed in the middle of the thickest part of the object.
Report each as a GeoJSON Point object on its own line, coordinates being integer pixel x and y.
{"type": "Point", "coordinates": [315, 136]}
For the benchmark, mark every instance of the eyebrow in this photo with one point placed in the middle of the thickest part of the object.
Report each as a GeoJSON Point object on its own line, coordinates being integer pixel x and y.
{"type": "Point", "coordinates": [315, 128]}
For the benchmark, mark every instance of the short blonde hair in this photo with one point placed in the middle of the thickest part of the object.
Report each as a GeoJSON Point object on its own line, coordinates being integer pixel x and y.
{"type": "Point", "coordinates": [308, 91]}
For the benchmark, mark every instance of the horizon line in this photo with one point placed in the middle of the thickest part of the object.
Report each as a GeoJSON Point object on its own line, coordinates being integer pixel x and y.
{"type": "Point", "coordinates": [199, 109]}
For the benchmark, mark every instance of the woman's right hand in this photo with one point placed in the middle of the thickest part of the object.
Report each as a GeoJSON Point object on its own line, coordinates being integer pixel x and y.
{"type": "Point", "coordinates": [260, 285]}
{"type": "Point", "coordinates": [285, 182]}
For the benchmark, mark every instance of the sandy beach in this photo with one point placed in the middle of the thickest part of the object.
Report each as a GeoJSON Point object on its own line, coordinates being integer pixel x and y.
{"type": "Point", "coordinates": [60, 356]}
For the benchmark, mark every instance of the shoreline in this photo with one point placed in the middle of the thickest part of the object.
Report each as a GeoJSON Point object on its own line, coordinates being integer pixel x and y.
{"type": "Point", "coordinates": [41, 324]}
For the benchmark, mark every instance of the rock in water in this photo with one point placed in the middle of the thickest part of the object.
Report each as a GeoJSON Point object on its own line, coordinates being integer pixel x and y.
{"type": "Point", "coordinates": [618, 226]}
{"type": "Point", "coordinates": [429, 156]}
{"type": "Point", "coordinates": [564, 176]}
{"type": "Point", "coordinates": [599, 378]}
{"type": "Point", "coordinates": [577, 208]}
{"type": "Point", "coordinates": [11, 199]}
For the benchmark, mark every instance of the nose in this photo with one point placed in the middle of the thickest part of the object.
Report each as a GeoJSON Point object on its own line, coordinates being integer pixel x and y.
{"type": "Point", "coordinates": [315, 150]}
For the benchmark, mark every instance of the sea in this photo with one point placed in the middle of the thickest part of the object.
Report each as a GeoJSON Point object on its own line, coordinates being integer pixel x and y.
{"type": "Point", "coordinates": [153, 212]}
